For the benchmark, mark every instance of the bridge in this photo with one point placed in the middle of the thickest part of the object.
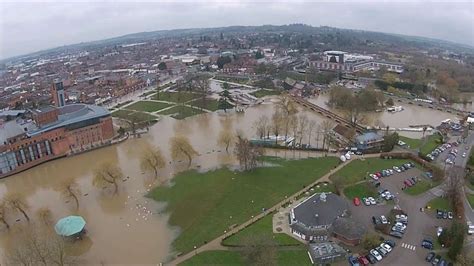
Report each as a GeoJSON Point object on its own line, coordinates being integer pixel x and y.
{"type": "Point", "coordinates": [324, 112]}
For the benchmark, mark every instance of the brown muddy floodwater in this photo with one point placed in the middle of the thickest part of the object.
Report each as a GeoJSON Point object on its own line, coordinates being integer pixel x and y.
{"type": "Point", "coordinates": [411, 115]}
{"type": "Point", "coordinates": [129, 228]}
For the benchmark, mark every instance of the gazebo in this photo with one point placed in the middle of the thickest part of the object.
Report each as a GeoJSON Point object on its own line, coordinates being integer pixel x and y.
{"type": "Point", "coordinates": [71, 226]}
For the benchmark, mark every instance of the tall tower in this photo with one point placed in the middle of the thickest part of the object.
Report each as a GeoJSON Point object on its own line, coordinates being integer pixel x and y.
{"type": "Point", "coordinates": [57, 91]}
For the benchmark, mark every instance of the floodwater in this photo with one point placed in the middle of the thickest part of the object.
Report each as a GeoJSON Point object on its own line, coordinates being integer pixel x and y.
{"type": "Point", "coordinates": [128, 228]}
{"type": "Point", "coordinates": [412, 115]}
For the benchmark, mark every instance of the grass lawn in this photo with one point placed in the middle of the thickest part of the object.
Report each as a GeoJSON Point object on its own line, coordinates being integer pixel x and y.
{"type": "Point", "coordinates": [430, 144]}
{"type": "Point", "coordinates": [181, 112]}
{"type": "Point", "coordinates": [215, 257]}
{"type": "Point", "coordinates": [297, 257]}
{"type": "Point", "coordinates": [209, 104]}
{"type": "Point", "coordinates": [470, 199]}
{"type": "Point", "coordinates": [147, 106]}
{"type": "Point", "coordinates": [262, 93]}
{"type": "Point", "coordinates": [420, 187]}
{"type": "Point", "coordinates": [203, 205]}
{"type": "Point", "coordinates": [125, 114]}
{"type": "Point", "coordinates": [176, 97]}
{"type": "Point", "coordinates": [361, 190]}
{"type": "Point", "coordinates": [440, 203]}
{"type": "Point", "coordinates": [357, 170]}
{"type": "Point", "coordinates": [261, 227]}
{"type": "Point", "coordinates": [412, 143]}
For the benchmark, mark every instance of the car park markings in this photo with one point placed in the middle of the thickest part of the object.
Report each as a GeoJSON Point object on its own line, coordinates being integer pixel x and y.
{"type": "Point", "coordinates": [408, 246]}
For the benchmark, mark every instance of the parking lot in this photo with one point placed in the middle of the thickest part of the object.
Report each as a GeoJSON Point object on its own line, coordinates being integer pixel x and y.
{"type": "Point", "coordinates": [420, 224]}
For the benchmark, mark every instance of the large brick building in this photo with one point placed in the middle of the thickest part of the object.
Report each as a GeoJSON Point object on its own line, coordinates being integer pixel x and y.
{"type": "Point", "coordinates": [28, 138]}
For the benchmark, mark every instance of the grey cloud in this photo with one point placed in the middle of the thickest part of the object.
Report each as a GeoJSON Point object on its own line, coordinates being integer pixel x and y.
{"type": "Point", "coordinates": [28, 27]}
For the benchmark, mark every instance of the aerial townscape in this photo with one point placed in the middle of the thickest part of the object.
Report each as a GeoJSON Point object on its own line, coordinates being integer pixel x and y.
{"type": "Point", "coordinates": [239, 145]}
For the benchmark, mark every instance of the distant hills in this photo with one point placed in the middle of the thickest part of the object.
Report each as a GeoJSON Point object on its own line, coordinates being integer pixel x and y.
{"type": "Point", "coordinates": [347, 37]}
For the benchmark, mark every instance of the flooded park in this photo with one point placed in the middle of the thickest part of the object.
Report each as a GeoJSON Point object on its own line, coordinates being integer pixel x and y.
{"type": "Point", "coordinates": [128, 227]}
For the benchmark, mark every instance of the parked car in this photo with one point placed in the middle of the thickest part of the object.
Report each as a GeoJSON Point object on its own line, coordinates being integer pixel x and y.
{"type": "Point", "coordinates": [442, 262]}
{"type": "Point", "coordinates": [396, 234]}
{"type": "Point", "coordinates": [439, 230]}
{"type": "Point", "coordinates": [450, 215]}
{"type": "Point", "coordinates": [374, 177]}
{"type": "Point", "coordinates": [407, 183]}
{"type": "Point", "coordinates": [353, 261]}
{"type": "Point", "coordinates": [376, 254]}
{"type": "Point", "coordinates": [376, 220]}
{"type": "Point", "coordinates": [378, 174]}
{"type": "Point", "coordinates": [356, 201]}
{"type": "Point", "coordinates": [371, 258]}
{"type": "Point", "coordinates": [427, 244]}
{"type": "Point", "coordinates": [382, 251]}
{"type": "Point", "coordinates": [436, 260]}
{"type": "Point", "coordinates": [384, 219]}
{"type": "Point", "coordinates": [387, 247]}
{"type": "Point", "coordinates": [430, 256]}
{"type": "Point", "coordinates": [445, 215]}
{"type": "Point", "coordinates": [414, 179]}
{"type": "Point", "coordinates": [363, 260]}
{"type": "Point", "coordinates": [390, 242]}
{"type": "Point", "coordinates": [439, 214]}
{"type": "Point", "coordinates": [397, 169]}
{"type": "Point", "coordinates": [372, 201]}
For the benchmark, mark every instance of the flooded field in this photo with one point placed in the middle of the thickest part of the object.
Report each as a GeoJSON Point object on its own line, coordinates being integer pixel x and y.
{"type": "Point", "coordinates": [129, 228]}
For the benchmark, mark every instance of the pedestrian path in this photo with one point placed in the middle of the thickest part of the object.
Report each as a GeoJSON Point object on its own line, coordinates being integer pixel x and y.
{"type": "Point", "coordinates": [408, 246]}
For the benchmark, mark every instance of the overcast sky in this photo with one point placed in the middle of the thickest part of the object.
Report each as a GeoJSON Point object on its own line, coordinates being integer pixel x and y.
{"type": "Point", "coordinates": [35, 25]}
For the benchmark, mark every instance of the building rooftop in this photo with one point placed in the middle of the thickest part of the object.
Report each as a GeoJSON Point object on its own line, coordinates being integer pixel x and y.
{"type": "Point", "coordinates": [68, 115]}
{"type": "Point", "coordinates": [325, 251]}
{"type": "Point", "coordinates": [368, 137]}
{"type": "Point", "coordinates": [315, 211]}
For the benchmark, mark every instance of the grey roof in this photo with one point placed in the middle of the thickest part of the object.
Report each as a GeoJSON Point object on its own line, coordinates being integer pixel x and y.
{"type": "Point", "coordinates": [11, 112]}
{"type": "Point", "coordinates": [348, 228]}
{"type": "Point", "coordinates": [14, 128]}
{"type": "Point", "coordinates": [325, 251]}
{"type": "Point", "coordinates": [73, 113]}
{"type": "Point", "coordinates": [314, 212]}
{"type": "Point", "coordinates": [367, 137]}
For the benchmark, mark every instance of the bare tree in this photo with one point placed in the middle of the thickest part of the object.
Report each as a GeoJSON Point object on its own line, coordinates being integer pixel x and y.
{"type": "Point", "coordinates": [180, 147]}
{"type": "Point", "coordinates": [311, 127]}
{"type": "Point", "coordinates": [34, 246]}
{"type": "Point", "coordinates": [302, 126]}
{"type": "Point", "coordinates": [202, 85]}
{"type": "Point", "coordinates": [455, 181]}
{"type": "Point", "coordinates": [107, 174]}
{"type": "Point", "coordinates": [276, 124]}
{"type": "Point", "coordinates": [246, 153]}
{"type": "Point", "coordinates": [288, 109]}
{"type": "Point", "coordinates": [45, 216]}
{"type": "Point", "coordinates": [152, 160]}
{"type": "Point", "coordinates": [70, 190]}
{"type": "Point", "coordinates": [226, 137]}
{"type": "Point", "coordinates": [3, 214]}
{"type": "Point", "coordinates": [262, 125]}
{"type": "Point", "coordinates": [17, 202]}
{"type": "Point", "coordinates": [326, 128]}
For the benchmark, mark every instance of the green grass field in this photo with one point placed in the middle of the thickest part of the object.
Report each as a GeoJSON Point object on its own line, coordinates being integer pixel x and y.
{"type": "Point", "coordinates": [176, 97]}
{"type": "Point", "coordinates": [357, 170]}
{"type": "Point", "coordinates": [139, 116]}
{"type": "Point", "coordinates": [420, 187]}
{"type": "Point", "coordinates": [148, 106]}
{"type": "Point", "coordinates": [470, 199]}
{"type": "Point", "coordinates": [430, 144]}
{"type": "Point", "coordinates": [208, 104]}
{"type": "Point", "coordinates": [262, 93]}
{"type": "Point", "coordinates": [298, 257]}
{"type": "Point", "coordinates": [361, 190]}
{"type": "Point", "coordinates": [181, 112]}
{"type": "Point", "coordinates": [440, 203]}
{"type": "Point", "coordinates": [203, 205]}
{"type": "Point", "coordinates": [412, 143]}
{"type": "Point", "coordinates": [259, 228]}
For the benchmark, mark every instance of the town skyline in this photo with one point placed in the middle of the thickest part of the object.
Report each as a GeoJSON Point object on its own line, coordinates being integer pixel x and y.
{"type": "Point", "coordinates": [442, 21]}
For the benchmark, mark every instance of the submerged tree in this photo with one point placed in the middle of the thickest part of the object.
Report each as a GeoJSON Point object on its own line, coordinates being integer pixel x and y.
{"type": "Point", "coordinates": [17, 203]}
{"type": "Point", "coordinates": [226, 137]}
{"type": "Point", "coordinates": [70, 190]}
{"type": "Point", "coordinates": [152, 160]}
{"type": "Point", "coordinates": [107, 174]}
{"type": "Point", "coordinates": [3, 215]}
{"type": "Point", "coordinates": [246, 153]}
{"type": "Point", "coordinates": [180, 147]}
{"type": "Point", "coordinates": [45, 216]}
